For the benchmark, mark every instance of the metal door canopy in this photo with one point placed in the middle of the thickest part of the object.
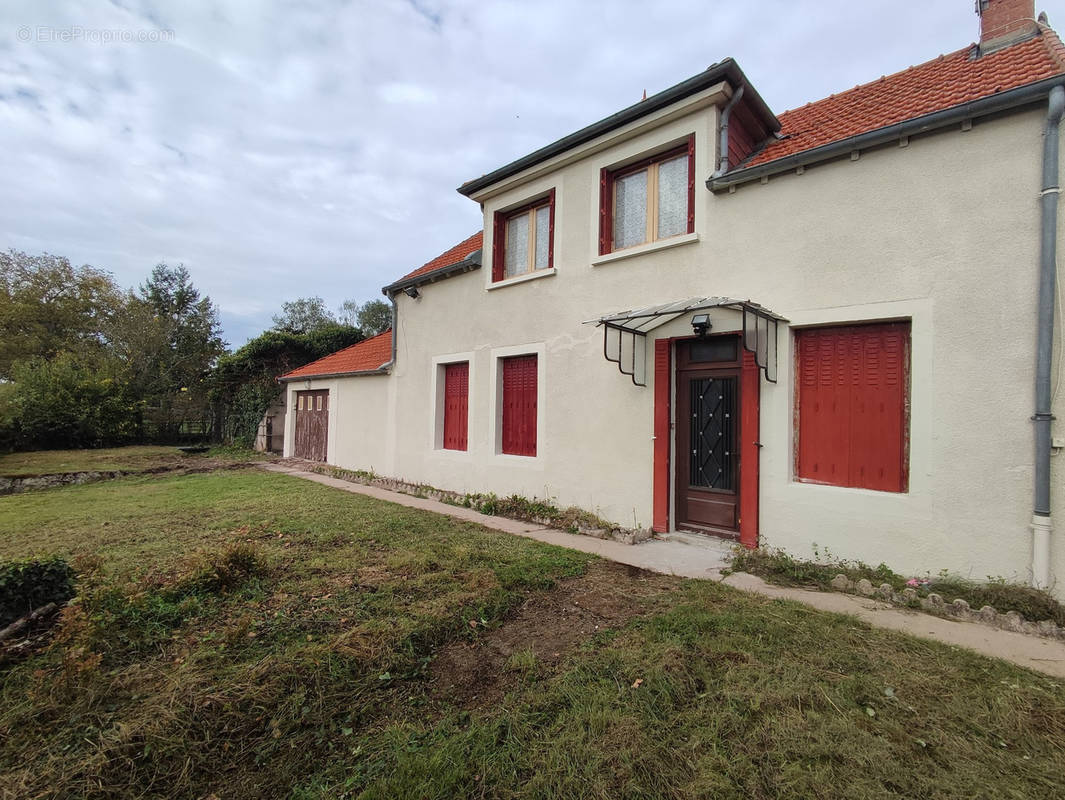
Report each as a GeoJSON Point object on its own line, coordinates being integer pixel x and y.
{"type": "Point", "coordinates": [625, 332]}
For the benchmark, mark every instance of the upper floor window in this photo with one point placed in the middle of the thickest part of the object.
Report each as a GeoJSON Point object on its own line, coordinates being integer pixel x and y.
{"type": "Point", "coordinates": [523, 239]}
{"type": "Point", "coordinates": [650, 200]}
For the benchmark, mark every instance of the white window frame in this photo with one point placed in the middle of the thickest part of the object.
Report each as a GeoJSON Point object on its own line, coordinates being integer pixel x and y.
{"type": "Point", "coordinates": [495, 411]}
{"type": "Point", "coordinates": [437, 385]}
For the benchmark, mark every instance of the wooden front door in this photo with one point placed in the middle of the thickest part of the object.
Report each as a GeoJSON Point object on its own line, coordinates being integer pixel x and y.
{"type": "Point", "coordinates": [312, 424]}
{"type": "Point", "coordinates": [707, 442]}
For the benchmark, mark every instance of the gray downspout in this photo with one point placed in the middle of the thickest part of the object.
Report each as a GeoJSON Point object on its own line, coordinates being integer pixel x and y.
{"type": "Point", "coordinates": [1041, 522]}
{"type": "Point", "coordinates": [726, 112]}
{"type": "Point", "coordinates": [395, 317]}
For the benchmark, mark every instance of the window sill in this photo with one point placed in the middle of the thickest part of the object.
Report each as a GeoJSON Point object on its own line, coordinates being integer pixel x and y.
{"type": "Point", "coordinates": [516, 460]}
{"type": "Point", "coordinates": [528, 276]}
{"type": "Point", "coordinates": [864, 490]}
{"type": "Point", "coordinates": [642, 249]}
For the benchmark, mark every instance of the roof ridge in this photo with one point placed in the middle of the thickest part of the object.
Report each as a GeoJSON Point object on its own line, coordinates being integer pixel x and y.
{"type": "Point", "coordinates": [947, 81]}
{"type": "Point", "coordinates": [1050, 37]}
{"type": "Point", "coordinates": [1053, 43]}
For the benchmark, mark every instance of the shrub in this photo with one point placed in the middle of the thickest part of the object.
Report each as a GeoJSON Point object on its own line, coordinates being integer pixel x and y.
{"type": "Point", "coordinates": [26, 585]}
{"type": "Point", "coordinates": [68, 402]}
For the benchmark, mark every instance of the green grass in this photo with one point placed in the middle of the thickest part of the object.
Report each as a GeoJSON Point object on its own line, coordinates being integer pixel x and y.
{"type": "Point", "coordinates": [246, 634]}
{"type": "Point", "coordinates": [48, 462]}
{"type": "Point", "coordinates": [138, 458]}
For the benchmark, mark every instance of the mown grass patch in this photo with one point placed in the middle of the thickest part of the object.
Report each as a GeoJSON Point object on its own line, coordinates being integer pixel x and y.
{"type": "Point", "coordinates": [50, 462]}
{"type": "Point", "coordinates": [245, 634]}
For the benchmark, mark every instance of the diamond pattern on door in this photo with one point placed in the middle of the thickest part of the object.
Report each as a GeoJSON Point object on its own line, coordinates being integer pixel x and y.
{"type": "Point", "coordinates": [713, 409]}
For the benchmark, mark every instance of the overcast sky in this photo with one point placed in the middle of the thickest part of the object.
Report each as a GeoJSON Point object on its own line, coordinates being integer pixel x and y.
{"type": "Point", "coordinates": [281, 150]}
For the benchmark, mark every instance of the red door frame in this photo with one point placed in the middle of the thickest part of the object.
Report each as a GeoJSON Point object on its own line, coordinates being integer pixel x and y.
{"type": "Point", "coordinates": [750, 447]}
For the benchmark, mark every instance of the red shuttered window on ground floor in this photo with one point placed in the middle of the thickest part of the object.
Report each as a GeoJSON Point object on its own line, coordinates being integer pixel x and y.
{"type": "Point", "coordinates": [519, 405]}
{"type": "Point", "coordinates": [852, 398]}
{"type": "Point", "coordinates": [456, 405]}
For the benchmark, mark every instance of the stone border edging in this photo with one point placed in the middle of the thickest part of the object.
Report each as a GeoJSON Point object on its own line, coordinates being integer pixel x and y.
{"type": "Point", "coordinates": [617, 534]}
{"type": "Point", "coordinates": [960, 609]}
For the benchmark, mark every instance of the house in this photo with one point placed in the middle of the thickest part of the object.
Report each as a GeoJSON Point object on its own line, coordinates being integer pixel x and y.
{"type": "Point", "coordinates": [829, 329]}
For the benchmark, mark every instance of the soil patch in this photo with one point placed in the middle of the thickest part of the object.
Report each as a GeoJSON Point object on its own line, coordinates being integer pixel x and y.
{"type": "Point", "coordinates": [549, 625]}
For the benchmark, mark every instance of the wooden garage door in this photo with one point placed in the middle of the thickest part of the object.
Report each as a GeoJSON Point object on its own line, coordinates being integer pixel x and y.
{"type": "Point", "coordinates": [312, 424]}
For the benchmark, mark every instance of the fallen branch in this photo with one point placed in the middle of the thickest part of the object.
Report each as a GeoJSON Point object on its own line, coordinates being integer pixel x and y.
{"type": "Point", "coordinates": [22, 623]}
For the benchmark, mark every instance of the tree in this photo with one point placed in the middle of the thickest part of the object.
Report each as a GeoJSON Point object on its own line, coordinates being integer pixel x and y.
{"type": "Point", "coordinates": [348, 314]}
{"type": "Point", "coordinates": [303, 315]}
{"type": "Point", "coordinates": [171, 339]}
{"type": "Point", "coordinates": [48, 306]}
{"type": "Point", "coordinates": [244, 383]}
{"type": "Point", "coordinates": [374, 316]}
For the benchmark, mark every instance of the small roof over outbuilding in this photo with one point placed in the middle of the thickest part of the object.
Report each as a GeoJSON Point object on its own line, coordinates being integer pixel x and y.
{"type": "Point", "coordinates": [369, 357]}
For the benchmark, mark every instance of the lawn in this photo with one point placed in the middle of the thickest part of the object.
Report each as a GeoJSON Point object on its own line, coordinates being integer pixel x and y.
{"type": "Point", "coordinates": [120, 459]}
{"type": "Point", "coordinates": [243, 634]}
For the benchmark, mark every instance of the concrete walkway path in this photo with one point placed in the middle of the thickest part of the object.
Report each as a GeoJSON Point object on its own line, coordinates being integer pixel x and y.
{"type": "Point", "coordinates": [693, 556]}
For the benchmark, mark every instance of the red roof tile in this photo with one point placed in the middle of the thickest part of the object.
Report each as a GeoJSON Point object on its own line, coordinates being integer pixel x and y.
{"type": "Point", "coordinates": [367, 355]}
{"type": "Point", "coordinates": [449, 257]}
{"type": "Point", "coordinates": [945, 82]}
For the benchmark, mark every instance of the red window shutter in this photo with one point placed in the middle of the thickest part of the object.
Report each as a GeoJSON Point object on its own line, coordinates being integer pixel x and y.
{"type": "Point", "coordinates": [660, 472]}
{"type": "Point", "coordinates": [691, 183]}
{"type": "Point", "coordinates": [551, 230]}
{"type": "Point", "coordinates": [519, 406]}
{"type": "Point", "coordinates": [499, 238]}
{"type": "Point", "coordinates": [852, 385]}
{"type": "Point", "coordinates": [606, 212]}
{"type": "Point", "coordinates": [456, 405]}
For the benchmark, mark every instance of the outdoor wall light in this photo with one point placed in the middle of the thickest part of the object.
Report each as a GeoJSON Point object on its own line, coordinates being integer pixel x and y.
{"type": "Point", "coordinates": [701, 324]}
{"type": "Point", "coordinates": [412, 292]}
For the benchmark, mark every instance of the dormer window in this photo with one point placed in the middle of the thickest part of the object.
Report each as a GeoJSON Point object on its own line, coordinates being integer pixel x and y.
{"type": "Point", "coordinates": [648, 201]}
{"type": "Point", "coordinates": [523, 239]}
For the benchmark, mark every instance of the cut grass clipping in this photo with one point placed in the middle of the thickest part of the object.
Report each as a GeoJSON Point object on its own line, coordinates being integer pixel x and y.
{"type": "Point", "coordinates": [245, 635]}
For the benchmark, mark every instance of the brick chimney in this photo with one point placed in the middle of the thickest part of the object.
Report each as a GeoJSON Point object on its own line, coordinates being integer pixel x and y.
{"type": "Point", "coordinates": [1003, 22]}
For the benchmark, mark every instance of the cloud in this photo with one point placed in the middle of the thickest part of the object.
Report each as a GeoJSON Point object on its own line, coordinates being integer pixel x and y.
{"type": "Point", "coordinates": [281, 150]}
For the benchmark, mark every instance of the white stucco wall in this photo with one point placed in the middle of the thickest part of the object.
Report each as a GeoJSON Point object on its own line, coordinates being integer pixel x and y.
{"type": "Point", "coordinates": [943, 232]}
{"type": "Point", "coordinates": [361, 423]}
